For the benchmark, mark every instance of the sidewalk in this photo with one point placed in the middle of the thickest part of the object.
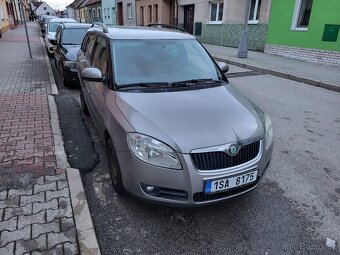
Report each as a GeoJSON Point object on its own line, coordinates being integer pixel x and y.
{"type": "Point", "coordinates": [325, 76]}
{"type": "Point", "coordinates": [36, 206]}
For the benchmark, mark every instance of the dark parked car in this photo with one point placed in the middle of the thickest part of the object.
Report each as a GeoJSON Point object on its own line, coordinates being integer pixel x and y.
{"type": "Point", "coordinates": [68, 39]}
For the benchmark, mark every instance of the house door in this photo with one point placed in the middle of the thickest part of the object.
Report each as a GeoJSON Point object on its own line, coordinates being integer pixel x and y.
{"type": "Point", "coordinates": [189, 18]}
{"type": "Point", "coordinates": [120, 14]}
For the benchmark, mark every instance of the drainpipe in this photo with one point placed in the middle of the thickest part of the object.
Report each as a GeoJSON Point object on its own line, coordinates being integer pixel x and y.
{"type": "Point", "coordinates": [176, 12]}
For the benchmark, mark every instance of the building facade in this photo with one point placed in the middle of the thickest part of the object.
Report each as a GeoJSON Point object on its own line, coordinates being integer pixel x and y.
{"type": "Point", "coordinates": [109, 12]}
{"type": "Point", "coordinates": [94, 11]}
{"type": "Point", "coordinates": [155, 11]}
{"type": "Point", "coordinates": [44, 8]}
{"type": "Point", "coordinates": [221, 22]}
{"type": "Point", "coordinates": [126, 12]}
{"type": "Point", "coordinates": [4, 18]}
{"type": "Point", "coordinates": [306, 30]}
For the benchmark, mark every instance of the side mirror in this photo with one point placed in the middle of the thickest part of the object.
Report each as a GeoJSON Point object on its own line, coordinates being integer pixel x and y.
{"type": "Point", "coordinates": [92, 74]}
{"type": "Point", "coordinates": [223, 66]}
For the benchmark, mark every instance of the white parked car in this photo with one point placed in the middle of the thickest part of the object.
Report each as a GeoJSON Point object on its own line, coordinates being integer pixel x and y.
{"type": "Point", "coordinates": [51, 30]}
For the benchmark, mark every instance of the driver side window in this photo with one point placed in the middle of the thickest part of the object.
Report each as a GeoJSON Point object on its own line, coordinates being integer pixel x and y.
{"type": "Point", "coordinates": [100, 55]}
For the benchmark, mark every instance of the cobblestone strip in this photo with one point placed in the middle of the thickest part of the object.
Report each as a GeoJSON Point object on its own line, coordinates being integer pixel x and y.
{"type": "Point", "coordinates": [38, 219]}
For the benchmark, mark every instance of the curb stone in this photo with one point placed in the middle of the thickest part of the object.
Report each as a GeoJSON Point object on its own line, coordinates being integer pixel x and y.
{"type": "Point", "coordinates": [88, 243]}
{"type": "Point", "coordinates": [87, 239]}
{"type": "Point", "coordinates": [54, 87]}
{"type": "Point", "coordinates": [282, 75]}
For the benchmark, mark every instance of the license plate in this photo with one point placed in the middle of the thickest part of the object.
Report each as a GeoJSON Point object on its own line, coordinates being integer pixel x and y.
{"type": "Point", "coordinates": [229, 182]}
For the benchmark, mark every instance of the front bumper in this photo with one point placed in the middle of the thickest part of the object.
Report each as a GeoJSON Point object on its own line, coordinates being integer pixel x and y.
{"type": "Point", "coordinates": [185, 187]}
{"type": "Point", "coordinates": [71, 76]}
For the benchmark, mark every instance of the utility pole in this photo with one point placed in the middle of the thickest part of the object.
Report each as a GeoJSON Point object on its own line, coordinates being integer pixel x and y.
{"type": "Point", "coordinates": [243, 46]}
{"type": "Point", "coordinates": [28, 40]}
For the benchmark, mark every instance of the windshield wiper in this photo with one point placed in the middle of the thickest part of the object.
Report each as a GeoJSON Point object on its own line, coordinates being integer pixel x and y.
{"type": "Point", "coordinates": [144, 85]}
{"type": "Point", "coordinates": [195, 81]}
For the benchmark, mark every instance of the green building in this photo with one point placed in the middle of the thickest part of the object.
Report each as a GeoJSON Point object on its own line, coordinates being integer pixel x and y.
{"type": "Point", "coordinates": [305, 29]}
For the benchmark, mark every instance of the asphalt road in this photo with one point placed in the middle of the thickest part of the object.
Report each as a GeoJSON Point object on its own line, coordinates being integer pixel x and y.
{"type": "Point", "coordinates": [293, 211]}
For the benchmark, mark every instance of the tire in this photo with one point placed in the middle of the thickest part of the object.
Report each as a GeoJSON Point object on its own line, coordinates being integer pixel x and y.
{"type": "Point", "coordinates": [114, 168]}
{"type": "Point", "coordinates": [65, 82]}
{"type": "Point", "coordinates": [83, 104]}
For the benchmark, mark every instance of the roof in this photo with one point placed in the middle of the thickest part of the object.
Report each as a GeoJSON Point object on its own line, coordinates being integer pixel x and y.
{"type": "Point", "coordinates": [36, 4]}
{"type": "Point", "coordinates": [77, 25]}
{"type": "Point", "coordinates": [83, 4]}
{"type": "Point", "coordinates": [77, 3]}
{"type": "Point", "coordinates": [62, 20]}
{"type": "Point", "coordinates": [90, 2]}
{"type": "Point", "coordinates": [125, 32]}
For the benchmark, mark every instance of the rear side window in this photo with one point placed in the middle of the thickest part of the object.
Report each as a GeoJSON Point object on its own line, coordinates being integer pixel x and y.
{"type": "Point", "coordinates": [89, 46]}
{"type": "Point", "coordinates": [100, 55]}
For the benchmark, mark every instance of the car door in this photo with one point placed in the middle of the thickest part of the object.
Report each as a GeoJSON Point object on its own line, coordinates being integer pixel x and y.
{"type": "Point", "coordinates": [57, 47]}
{"type": "Point", "coordinates": [84, 61]}
{"type": "Point", "coordinates": [98, 90]}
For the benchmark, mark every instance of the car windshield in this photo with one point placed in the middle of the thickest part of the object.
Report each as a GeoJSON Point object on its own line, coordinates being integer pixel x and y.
{"type": "Point", "coordinates": [52, 26]}
{"type": "Point", "coordinates": [161, 61]}
{"type": "Point", "coordinates": [72, 36]}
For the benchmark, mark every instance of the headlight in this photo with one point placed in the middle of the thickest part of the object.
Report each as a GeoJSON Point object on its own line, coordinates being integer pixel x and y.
{"type": "Point", "coordinates": [269, 131]}
{"type": "Point", "coordinates": [70, 64]}
{"type": "Point", "coordinates": [152, 151]}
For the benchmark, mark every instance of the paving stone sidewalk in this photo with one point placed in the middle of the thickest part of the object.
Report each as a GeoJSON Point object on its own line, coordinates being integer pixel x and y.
{"type": "Point", "coordinates": [326, 76]}
{"type": "Point", "coordinates": [36, 215]}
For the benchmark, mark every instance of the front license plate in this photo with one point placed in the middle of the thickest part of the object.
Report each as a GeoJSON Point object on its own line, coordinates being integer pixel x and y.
{"type": "Point", "coordinates": [229, 182]}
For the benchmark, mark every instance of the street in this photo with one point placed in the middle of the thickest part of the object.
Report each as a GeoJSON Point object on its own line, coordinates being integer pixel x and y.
{"type": "Point", "coordinates": [293, 211]}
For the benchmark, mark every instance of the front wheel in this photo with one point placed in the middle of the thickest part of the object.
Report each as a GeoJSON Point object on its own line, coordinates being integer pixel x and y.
{"type": "Point", "coordinates": [83, 104]}
{"type": "Point", "coordinates": [114, 168]}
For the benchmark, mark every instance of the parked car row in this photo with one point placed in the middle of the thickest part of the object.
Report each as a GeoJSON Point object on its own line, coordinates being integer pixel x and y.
{"type": "Point", "coordinates": [176, 131]}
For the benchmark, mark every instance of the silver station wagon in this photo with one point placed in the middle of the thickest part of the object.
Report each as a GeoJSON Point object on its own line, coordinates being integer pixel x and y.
{"type": "Point", "coordinates": [176, 131]}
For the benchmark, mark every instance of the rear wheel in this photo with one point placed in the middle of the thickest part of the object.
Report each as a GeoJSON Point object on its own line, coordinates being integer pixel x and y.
{"type": "Point", "coordinates": [114, 168]}
{"type": "Point", "coordinates": [83, 104]}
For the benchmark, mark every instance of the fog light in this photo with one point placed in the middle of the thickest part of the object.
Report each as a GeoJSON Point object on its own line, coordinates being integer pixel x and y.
{"type": "Point", "coordinates": [150, 188]}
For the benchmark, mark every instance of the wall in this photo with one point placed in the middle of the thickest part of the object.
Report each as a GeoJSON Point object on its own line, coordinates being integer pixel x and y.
{"type": "Point", "coordinates": [229, 32]}
{"type": "Point", "coordinates": [323, 12]}
{"type": "Point", "coordinates": [4, 22]}
{"type": "Point", "coordinates": [110, 17]}
{"type": "Point", "coordinates": [164, 11]}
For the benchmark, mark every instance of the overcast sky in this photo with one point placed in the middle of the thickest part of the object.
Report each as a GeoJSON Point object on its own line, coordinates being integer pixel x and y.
{"type": "Point", "coordinates": [58, 4]}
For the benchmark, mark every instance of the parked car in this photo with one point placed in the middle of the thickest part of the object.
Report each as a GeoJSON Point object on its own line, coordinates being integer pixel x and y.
{"type": "Point", "coordinates": [176, 131]}
{"type": "Point", "coordinates": [43, 20]}
{"type": "Point", "coordinates": [69, 37]}
{"type": "Point", "coordinates": [51, 30]}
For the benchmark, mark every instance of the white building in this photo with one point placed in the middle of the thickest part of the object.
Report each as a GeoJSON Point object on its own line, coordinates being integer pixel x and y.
{"type": "Point", "coordinates": [41, 8]}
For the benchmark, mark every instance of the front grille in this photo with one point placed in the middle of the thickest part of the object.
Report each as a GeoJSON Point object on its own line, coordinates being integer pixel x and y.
{"type": "Point", "coordinates": [202, 197]}
{"type": "Point", "coordinates": [220, 160]}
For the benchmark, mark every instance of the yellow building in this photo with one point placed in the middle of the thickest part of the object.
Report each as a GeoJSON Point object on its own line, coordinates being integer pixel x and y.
{"type": "Point", "coordinates": [4, 22]}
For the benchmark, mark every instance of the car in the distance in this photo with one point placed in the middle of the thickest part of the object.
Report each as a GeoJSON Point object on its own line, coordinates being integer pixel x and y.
{"type": "Point", "coordinates": [69, 37]}
{"type": "Point", "coordinates": [176, 131]}
{"type": "Point", "coordinates": [51, 30]}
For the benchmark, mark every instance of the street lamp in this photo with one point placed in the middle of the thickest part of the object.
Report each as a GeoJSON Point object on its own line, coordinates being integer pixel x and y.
{"type": "Point", "coordinates": [243, 46]}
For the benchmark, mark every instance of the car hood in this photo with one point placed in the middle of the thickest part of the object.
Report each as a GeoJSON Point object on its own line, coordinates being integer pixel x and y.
{"type": "Point", "coordinates": [193, 119]}
{"type": "Point", "coordinates": [71, 52]}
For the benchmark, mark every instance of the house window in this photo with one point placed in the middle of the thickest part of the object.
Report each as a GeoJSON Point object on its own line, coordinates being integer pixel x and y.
{"type": "Point", "coordinates": [105, 13]}
{"type": "Point", "coordinates": [129, 11]}
{"type": "Point", "coordinates": [99, 14]}
{"type": "Point", "coordinates": [150, 13]}
{"type": "Point", "coordinates": [254, 12]}
{"type": "Point", "coordinates": [156, 12]}
{"type": "Point", "coordinates": [45, 8]}
{"type": "Point", "coordinates": [301, 14]}
{"type": "Point", "coordinates": [216, 13]}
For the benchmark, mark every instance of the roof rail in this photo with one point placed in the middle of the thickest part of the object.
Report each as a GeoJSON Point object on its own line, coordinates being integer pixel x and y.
{"type": "Point", "coordinates": [166, 26]}
{"type": "Point", "coordinates": [100, 24]}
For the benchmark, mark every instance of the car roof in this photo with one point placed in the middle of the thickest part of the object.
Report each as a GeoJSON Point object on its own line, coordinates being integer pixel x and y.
{"type": "Point", "coordinates": [139, 32]}
{"type": "Point", "coordinates": [62, 20]}
{"type": "Point", "coordinates": [67, 25]}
